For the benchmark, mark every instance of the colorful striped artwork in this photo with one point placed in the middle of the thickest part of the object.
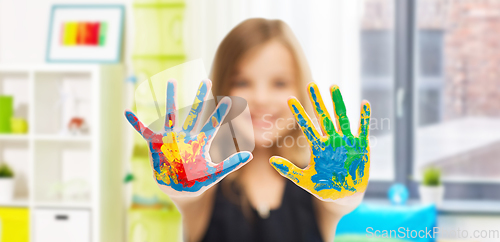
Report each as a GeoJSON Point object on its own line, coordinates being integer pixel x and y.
{"type": "Point", "coordinates": [83, 33]}
{"type": "Point", "coordinates": [180, 156]}
{"type": "Point", "coordinates": [340, 162]}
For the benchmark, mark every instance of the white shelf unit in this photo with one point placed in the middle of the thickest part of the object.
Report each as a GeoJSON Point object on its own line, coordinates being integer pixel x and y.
{"type": "Point", "coordinates": [59, 173]}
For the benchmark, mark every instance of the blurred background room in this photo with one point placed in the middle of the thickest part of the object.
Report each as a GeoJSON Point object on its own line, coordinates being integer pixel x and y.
{"type": "Point", "coordinates": [71, 168]}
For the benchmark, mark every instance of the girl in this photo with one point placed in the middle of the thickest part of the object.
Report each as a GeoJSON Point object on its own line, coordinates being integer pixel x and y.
{"type": "Point", "coordinates": [261, 61]}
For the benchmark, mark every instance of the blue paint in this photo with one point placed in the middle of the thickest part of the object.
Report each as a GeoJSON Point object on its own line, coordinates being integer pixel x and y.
{"type": "Point", "coordinates": [308, 129]}
{"type": "Point", "coordinates": [293, 178]}
{"type": "Point", "coordinates": [330, 168]}
{"type": "Point", "coordinates": [349, 141]}
{"type": "Point", "coordinates": [203, 172]}
{"type": "Point", "coordinates": [315, 99]}
{"type": "Point", "coordinates": [146, 133]}
{"type": "Point", "coordinates": [232, 163]}
{"type": "Point", "coordinates": [365, 121]}
{"type": "Point", "coordinates": [236, 160]}
{"type": "Point", "coordinates": [282, 168]}
{"type": "Point", "coordinates": [340, 158]}
{"type": "Point", "coordinates": [170, 107]}
{"type": "Point", "coordinates": [170, 97]}
{"type": "Point", "coordinates": [208, 129]}
{"type": "Point", "coordinates": [155, 157]}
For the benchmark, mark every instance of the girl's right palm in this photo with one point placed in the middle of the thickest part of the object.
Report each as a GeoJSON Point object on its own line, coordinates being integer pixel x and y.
{"type": "Point", "coordinates": [180, 157]}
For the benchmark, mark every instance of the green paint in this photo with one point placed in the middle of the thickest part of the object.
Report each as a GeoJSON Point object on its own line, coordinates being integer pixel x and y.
{"type": "Point", "coordinates": [128, 178]}
{"type": "Point", "coordinates": [341, 112]}
{"type": "Point", "coordinates": [103, 29]}
{"type": "Point", "coordinates": [341, 155]}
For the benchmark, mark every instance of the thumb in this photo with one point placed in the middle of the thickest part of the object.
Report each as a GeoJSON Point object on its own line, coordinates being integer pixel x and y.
{"type": "Point", "coordinates": [286, 168]}
{"type": "Point", "coordinates": [234, 162]}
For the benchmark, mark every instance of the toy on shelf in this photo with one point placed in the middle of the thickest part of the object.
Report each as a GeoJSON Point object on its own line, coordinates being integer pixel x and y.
{"type": "Point", "coordinates": [18, 125]}
{"type": "Point", "coordinates": [6, 105]}
{"type": "Point", "coordinates": [78, 126]}
{"type": "Point", "coordinates": [398, 194]}
{"type": "Point", "coordinates": [69, 103]}
{"type": "Point", "coordinates": [6, 183]}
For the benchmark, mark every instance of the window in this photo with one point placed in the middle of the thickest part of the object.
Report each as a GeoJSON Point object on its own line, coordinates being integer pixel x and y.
{"type": "Point", "coordinates": [376, 53]}
{"type": "Point", "coordinates": [430, 80]}
{"type": "Point", "coordinates": [436, 76]}
{"type": "Point", "coordinates": [430, 49]}
{"type": "Point", "coordinates": [458, 90]}
{"type": "Point", "coordinates": [377, 84]}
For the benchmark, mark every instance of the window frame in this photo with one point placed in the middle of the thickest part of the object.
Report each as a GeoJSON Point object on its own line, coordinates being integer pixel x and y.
{"type": "Point", "coordinates": [405, 66]}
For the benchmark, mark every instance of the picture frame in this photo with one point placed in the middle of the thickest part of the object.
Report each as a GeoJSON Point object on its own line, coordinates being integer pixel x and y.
{"type": "Point", "coordinates": [85, 34]}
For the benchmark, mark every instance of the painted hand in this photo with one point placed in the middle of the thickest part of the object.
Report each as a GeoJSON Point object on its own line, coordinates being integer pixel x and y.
{"type": "Point", "coordinates": [180, 157]}
{"type": "Point", "coordinates": [340, 162]}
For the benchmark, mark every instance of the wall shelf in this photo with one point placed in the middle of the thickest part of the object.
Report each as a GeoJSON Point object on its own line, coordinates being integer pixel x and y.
{"type": "Point", "coordinates": [63, 138]}
{"type": "Point", "coordinates": [17, 203]}
{"type": "Point", "coordinates": [56, 172]}
{"type": "Point", "coordinates": [65, 205]}
{"type": "Point", "coordinates": [6, 137]}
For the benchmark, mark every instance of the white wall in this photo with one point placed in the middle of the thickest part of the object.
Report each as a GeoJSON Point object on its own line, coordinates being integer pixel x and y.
{"type": "Point", "coordinates": [328, 32]}
{"type": "Point", "coordinates": [24, 28]}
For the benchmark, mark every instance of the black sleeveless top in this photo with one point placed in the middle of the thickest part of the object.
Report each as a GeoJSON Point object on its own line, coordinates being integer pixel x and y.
{"type": "Point", "coordinates": [294, 220]}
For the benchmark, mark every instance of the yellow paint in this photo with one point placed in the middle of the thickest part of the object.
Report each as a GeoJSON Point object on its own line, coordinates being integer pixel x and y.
{"type": "Point", "coordinates": [15, 224]}
{"type": "Point", "coordinates": [323, 116]}
{"type": "Point", "coordinates": [304, 179]}
{"type": "Point", "coordinates": [178, 153]}
{"type": "Point", "coordinates": [365, 116]}
{"type": "Point", "coordinates": [70, 29]}
{"type": "Point", "coordinates": [193, 114]}
{"type": "Point", "coordinates": [214, 122]}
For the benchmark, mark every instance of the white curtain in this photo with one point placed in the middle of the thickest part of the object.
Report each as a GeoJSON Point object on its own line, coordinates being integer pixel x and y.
{"type": "Point", "coordinates": [328, 31]}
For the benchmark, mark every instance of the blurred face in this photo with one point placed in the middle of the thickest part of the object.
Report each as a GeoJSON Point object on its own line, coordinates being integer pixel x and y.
{"type": "Point", "coordinates": [266, 78]}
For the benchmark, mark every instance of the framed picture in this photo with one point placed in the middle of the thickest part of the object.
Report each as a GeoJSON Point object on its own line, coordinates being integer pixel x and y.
{"type": "Point", "coordinates": [85, 33]}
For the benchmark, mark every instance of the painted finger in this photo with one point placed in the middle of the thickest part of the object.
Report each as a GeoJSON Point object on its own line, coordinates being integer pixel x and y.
{"type": "Point", "coordinates": [340, 111]}
{"type": "Point", "coordinates": [234, 162]}
{"type": "Point", "coordinates": [304, 121]}
{"type": "Point", "coordinates": [197, 107]}
{"type": "Point", "coordinates": [170, 105]}
{"type": "Point", "coordinates": [286, 168]}
{"type": "Point", "coordinates": [213, 123]}
{"type": "Point", "coordinates": [364, 123]}
{"type": "Point", "coordinates": [320, 110]}
{"type": "Point", "coordinates": [144, 131]}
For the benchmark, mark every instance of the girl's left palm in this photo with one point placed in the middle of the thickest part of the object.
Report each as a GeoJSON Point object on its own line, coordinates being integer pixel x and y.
{"type": "Point", "coordinates": [340, 162]}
